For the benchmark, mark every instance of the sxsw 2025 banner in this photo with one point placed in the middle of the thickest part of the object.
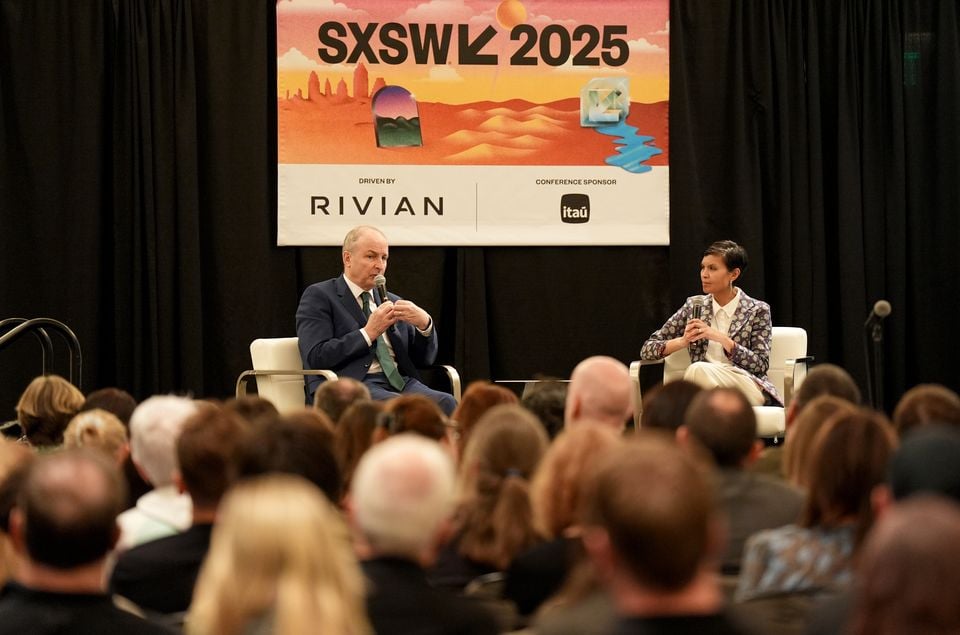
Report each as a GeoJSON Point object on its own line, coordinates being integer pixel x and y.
{"type": "Point", "coordinates": [473, 122]}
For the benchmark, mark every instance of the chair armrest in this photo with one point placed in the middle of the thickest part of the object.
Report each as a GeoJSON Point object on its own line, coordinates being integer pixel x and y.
{"type": "Point", "coordinates": [635, 367]}
{"type": "Point", "coordinates": [790, 379]}
{"type": "Point", "coordinates": [454, 378]}
{"type": "Point", "coordinates": [245, 376]}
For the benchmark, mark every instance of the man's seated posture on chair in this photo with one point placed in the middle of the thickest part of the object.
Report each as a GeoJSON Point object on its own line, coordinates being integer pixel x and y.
{"type": "Point", "coordinates": [345, 327]}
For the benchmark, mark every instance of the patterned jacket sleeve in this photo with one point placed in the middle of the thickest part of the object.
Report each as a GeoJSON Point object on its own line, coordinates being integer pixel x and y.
{"type": "Point", "coordinates": [653, 348]}
{"type": "Point", "coordinates": [754, 357]}
{"type": "Point", "coordinates": [756, 554]}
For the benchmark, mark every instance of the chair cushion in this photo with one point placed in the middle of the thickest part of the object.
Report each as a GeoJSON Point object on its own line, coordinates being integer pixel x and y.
{"type": "Point", "coordinates": [771, 421]}
{"type": "Point", "coordinates": [279, 353]}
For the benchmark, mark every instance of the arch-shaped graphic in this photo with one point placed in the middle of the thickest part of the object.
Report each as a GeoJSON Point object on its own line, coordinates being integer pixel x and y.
{"type": "Point", "coordinates": [396, 118]}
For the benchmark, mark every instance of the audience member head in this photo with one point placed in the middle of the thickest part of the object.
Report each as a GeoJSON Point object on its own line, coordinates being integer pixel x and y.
{"type": "Point", "coordinates": [280, 557]}
{"type": "Point", "coordinates": [823, 379]}
{"type": "Point", "coordinates": [15, 458]}
{"type": "Point", "coordinates": [558, 483]}
{"type": "Point", "coordinates": [208, 452]}
{"type": "Point", "coordinates": [402, 496]}
{"type": "Point", "coordinates": [547, 399]}
{"type": "Point", "coordinates": [316, 419]}
{"type": "Point", "coordinates": [479, 397]}
{"type": "Point", "coordinates": [924, 404]}
{"type": "Point", "coordinates": [252, 409]}
{"type": "Point", "coordinates": [66, 510]}
{"type": "Point", "coordinates": [354, 435]}
{"type": "Point", "coordinates": [294, 446]}
{"type": "Point", "coordinates": [154, 428]}
{"type": "Point", "coordinates": [411, 413]}
{"type": "Point", "coordinates": [99, 430]}
{"type": "Point", "coordinates": [600, 391]}
{"type": "Point", "coordinates": [849, 458]}
{"type": "Point", "coordinates": [796, 450]}
{"type": "Point", "coordinates": [665, 407]}
{"type": "Point", "coordinates": [496, 516]}
{"type": "Point", "coordinates": [723, 422]}
{"type": "Point", "coordinates": [649, 518]}
{"type": "Point", "coordinates": [46, 407]}
{"type": "Point", "coordinates": [909, 571]}
{"type": "Point", "coordinates": [116, 401]}
{"type": "Point", "coordinates": [334, 396]}
{"type": "Point", "coordinates": [927, 461]}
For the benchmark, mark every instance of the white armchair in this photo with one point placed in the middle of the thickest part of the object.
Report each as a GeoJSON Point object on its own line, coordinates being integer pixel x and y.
{"type": "Point", "coordinates": [279, 372]}
{"type": "Point", "coordinates": [788, 368]}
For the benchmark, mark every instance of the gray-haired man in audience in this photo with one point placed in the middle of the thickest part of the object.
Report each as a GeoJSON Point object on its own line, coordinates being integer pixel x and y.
{"type": "Point", "coordinates": [402, 496]}
{"type": "Point", "coordinates": [163, 511]}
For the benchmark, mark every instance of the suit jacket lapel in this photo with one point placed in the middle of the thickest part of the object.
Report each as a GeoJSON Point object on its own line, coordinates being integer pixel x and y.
{"type": "Point", "coordinates": [349, 302]}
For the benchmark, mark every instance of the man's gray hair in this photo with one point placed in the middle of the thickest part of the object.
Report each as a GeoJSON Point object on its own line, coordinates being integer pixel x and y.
{"type": "Point", "coordinates": [154, 428]}
{"type": "Point", "coordinates": [402, 492]}
{"type": "Point", "coordinates": [350, 240]}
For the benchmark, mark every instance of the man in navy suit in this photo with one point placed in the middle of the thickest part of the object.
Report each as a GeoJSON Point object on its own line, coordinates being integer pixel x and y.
{"type": "Point", "coordinates": [344, 326]}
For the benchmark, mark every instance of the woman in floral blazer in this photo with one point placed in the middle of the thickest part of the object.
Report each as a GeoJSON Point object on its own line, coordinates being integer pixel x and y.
{"type": "Point", "coordinates": [729, 343]}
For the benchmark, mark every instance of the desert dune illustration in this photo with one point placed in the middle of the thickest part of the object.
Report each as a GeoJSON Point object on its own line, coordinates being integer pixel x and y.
{"type": "Point", "coordinates": [327, 126]}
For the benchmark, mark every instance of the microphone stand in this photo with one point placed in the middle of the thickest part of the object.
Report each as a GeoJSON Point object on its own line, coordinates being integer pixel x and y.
{"type": "Point", "coordinates": [873, 332]}
{"type": "Point", "coordinates": [877, 337]}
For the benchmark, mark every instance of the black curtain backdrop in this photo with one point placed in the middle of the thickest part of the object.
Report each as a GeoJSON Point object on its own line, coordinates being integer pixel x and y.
{"type": "Point", "coordinates": [824, 136]}
{"type": "Point", "coordinates": [138, 195]}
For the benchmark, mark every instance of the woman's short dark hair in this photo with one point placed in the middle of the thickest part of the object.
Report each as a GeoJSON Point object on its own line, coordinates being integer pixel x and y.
{"type": "Point", "coordinates": [734, 256]}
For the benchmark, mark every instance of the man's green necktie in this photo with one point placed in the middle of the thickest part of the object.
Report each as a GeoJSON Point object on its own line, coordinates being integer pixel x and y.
{"type": "Point", "coordinates": [383, 353]}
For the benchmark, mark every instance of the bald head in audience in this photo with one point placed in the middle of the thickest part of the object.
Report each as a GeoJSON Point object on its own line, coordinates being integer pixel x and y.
{"type": "Point", "coordinates": [600, 391]}
{"type": "Point", "coordinates": [64, 522]}
{"type": "Point", "coordinates": [63, 526]}
{"type": "Point", "coordinates": [723, 422]}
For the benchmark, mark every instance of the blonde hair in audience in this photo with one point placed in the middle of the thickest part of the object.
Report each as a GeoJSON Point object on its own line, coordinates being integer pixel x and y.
{"type": "Point", "coordinates": [100, 430]}
{"type": "Point", "coordinates": [496, 517]}
{"type": "Point", "coordinates": [280, 554]}
{"type": "Point", "coordinates": [557, 486]}
{"type": "Point", "coordinates": [797, 449]}
{"type": "Point", "coordinates": [45, 408]}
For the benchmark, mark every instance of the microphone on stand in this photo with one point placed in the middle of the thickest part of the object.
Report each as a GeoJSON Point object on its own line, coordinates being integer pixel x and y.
{"type": "Point", "coordinates": [881, 309]}
{"type": "Point", "coordinates": [873, 330]}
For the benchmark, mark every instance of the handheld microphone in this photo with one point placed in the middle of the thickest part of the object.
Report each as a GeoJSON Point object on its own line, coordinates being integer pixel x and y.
{"type": "Point", "coordinates": [697, 307]}
{"type": "Point", "coordinates": [381, 284]}
{"type": "Point", "coordinates": [881, 309]}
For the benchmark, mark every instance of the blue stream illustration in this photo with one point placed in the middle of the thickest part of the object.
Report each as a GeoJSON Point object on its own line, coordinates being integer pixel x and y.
{"type": "Point", "coordinates": [632, 149]}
